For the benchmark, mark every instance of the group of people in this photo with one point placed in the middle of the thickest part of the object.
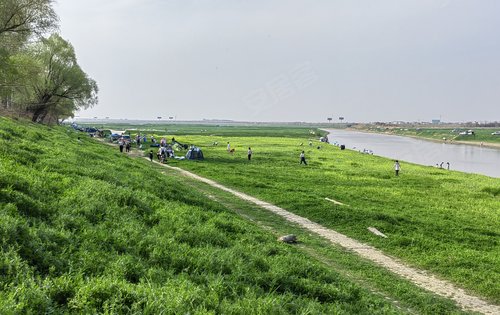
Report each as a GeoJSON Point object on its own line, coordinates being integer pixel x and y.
{"type": "Point", "coordinates": [164, 151]}
{"type": "Point", "coordinates": [397, 166]}
{"type": "Point", "coordinates": [231, 151]}
{"type": "Point", "coordinates": [441, 165]}
{"type": "Point", "coordinates": [140, 139]}
{"type": "Point", "coordinates": [122, 143]}
{"type": "Point", "coordinates": [125, 142]}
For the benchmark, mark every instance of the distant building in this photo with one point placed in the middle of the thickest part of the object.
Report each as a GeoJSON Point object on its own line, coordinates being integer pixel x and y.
{"type": "Point", "coordinates": [436, 121]}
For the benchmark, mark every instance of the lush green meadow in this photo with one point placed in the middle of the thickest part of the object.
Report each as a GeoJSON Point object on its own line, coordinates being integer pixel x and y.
{"type": "Point", "coordinates": [85, 229]}
{"type": "Point", "coordinates": [443, 221]}
{"type": "Point", "coordinates": [232, 130]}
{"type": "Point", "coordinates": [450, 134]}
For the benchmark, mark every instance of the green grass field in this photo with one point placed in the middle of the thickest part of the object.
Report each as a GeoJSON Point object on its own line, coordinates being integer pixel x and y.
{"type": "Point", "coordinates": [450, 134]}
{"type": "Point", "coordinates": [441, 221]}
{"type": "Point", "coordinates": [85, 229]}
{"type": "Point", "coordinates": [289, 131]}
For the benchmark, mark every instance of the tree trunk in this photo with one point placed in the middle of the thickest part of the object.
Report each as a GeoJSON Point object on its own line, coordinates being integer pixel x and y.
{"type": "Point", "coordinates": [39, 114]}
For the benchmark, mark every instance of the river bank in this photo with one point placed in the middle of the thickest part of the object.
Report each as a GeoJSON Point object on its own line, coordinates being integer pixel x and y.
{"type": "Point", "coordinates": [485, 144]}
{"type": "Point", "coordinates": [463, 157]}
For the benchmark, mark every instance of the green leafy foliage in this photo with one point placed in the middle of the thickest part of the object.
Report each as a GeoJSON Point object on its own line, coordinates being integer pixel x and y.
{"type": "Point", "coordinates": [39, 76]}
{"type": "Point", "coordinates": [60, 87]}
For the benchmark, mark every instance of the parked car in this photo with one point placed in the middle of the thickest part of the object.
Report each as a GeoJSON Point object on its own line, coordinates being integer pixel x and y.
{"type": "Point", "coordinates": [467, 133]}
{"type": "Point", "coordinates": [496, 133]}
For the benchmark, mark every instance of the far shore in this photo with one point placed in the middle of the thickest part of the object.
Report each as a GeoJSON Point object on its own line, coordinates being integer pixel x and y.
{"type": "Point", "coordinates": [475, 143]}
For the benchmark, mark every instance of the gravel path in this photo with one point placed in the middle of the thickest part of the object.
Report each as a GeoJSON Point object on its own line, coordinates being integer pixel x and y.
{"type": "Point", "coordinates": [418, 277]}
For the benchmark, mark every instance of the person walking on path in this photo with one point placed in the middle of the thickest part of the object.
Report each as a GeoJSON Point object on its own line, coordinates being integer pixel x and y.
{"type": "Point", "coordinates": [397, 167]}
{"type": "Point", "coordinates": [303, 158]}
{"type": "Point", "coordinates": [249, 153]}
{"type": "Point", "coordinates": [158, 154]}
{"type": "Point", "coordinates": [151, 155]}
{"type": "Point", "coordinates": [121, 145]}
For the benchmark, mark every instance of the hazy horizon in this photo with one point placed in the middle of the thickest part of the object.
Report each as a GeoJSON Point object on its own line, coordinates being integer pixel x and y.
{"type": "Point", "coordinates": [289, 60]}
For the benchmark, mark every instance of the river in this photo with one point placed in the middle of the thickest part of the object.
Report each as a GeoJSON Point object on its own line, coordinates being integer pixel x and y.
{"type": "Point", "coordinates": [462, 157]}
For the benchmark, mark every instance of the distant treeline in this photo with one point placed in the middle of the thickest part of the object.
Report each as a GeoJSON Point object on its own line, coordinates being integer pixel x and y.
{"type": "Point", "coordinates": [39, 74]}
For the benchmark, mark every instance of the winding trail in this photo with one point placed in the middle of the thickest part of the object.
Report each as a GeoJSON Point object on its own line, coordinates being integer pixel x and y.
{"type": "Point", "coordinates": [418, 277]}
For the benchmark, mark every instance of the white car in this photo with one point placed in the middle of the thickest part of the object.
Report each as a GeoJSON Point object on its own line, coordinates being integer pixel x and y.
{"type": "Point", "coordinates": [467, 133]}
{"type": "Point", "coordinates": [496, 133]}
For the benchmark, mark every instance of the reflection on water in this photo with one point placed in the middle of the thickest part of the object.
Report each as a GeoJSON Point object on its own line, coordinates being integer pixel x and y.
{"type": "Point", "coordinates": [462, 157]}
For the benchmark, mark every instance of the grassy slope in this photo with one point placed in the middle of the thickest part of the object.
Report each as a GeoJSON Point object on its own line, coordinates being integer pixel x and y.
{"type": "Point", "coordinates": [375, 278]}
{"type": "Point", "coordinates": [482, 135]}
{"type": "Point", "coordinates": [446, 222]}
{"type": "Point", "coordinates": [86, 229]}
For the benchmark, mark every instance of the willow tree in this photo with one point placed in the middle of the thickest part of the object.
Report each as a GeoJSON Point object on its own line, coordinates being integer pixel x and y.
{"type": "Point", "coordinates": [25, 17]}
{"type": "Point", "coordinates": [20, 20]}
{"type": "Point", "coordinates": [60, 87]}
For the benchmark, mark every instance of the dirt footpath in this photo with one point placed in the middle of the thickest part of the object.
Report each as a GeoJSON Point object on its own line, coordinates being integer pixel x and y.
{"type": "Point", "coordinates": [419, 277]}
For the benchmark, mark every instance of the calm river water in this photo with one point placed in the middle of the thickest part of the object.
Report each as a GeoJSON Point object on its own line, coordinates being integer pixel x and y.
{"type": "Point", "coordinates": [462, 157]}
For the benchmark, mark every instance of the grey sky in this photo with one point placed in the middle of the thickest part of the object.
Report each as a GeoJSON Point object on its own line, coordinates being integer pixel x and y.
{"type": "Point", "coordinates": [289, 60]}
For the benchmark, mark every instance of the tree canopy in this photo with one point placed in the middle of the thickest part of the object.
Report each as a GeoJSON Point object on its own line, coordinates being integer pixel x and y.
{"type": "Point", "coordinates": [39, 73]}
{"type": "Point", "coordinates": [61, 86]}
{"type": "Point", "coordinates": [27, 16]}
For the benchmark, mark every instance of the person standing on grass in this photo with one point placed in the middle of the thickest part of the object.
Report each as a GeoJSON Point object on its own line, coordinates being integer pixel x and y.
{"type": "Point", "coordinates": [228, 147]}
{"type": "Point", "coordinates": [249, 153]}
{"type": "Point", "coordinates": [158, 154]}
{"type": "Point", "coordinates": [397, 167]}
{"type": "Point", "coordinates": [121, 145]}
{"type": "Point", "coordinates": [151, 155]}
{"type": "Point", "coordinates": [303, 158]}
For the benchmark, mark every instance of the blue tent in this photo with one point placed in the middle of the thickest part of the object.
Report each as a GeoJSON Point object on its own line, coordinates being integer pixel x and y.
{"type": "Point", "coordinates": [194, 153]}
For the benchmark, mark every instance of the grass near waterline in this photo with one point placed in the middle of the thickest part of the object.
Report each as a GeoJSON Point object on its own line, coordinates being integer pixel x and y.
{"type": "Point", "coordinates": [450, 134]}
{"type": "Point", "coordinates": [443, 221]}
{"type": "Point", "coordinates": [85, 229]}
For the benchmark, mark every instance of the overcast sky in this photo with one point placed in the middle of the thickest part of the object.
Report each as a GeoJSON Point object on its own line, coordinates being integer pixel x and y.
{"type": "Point", "coordinates": [289, 60]}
